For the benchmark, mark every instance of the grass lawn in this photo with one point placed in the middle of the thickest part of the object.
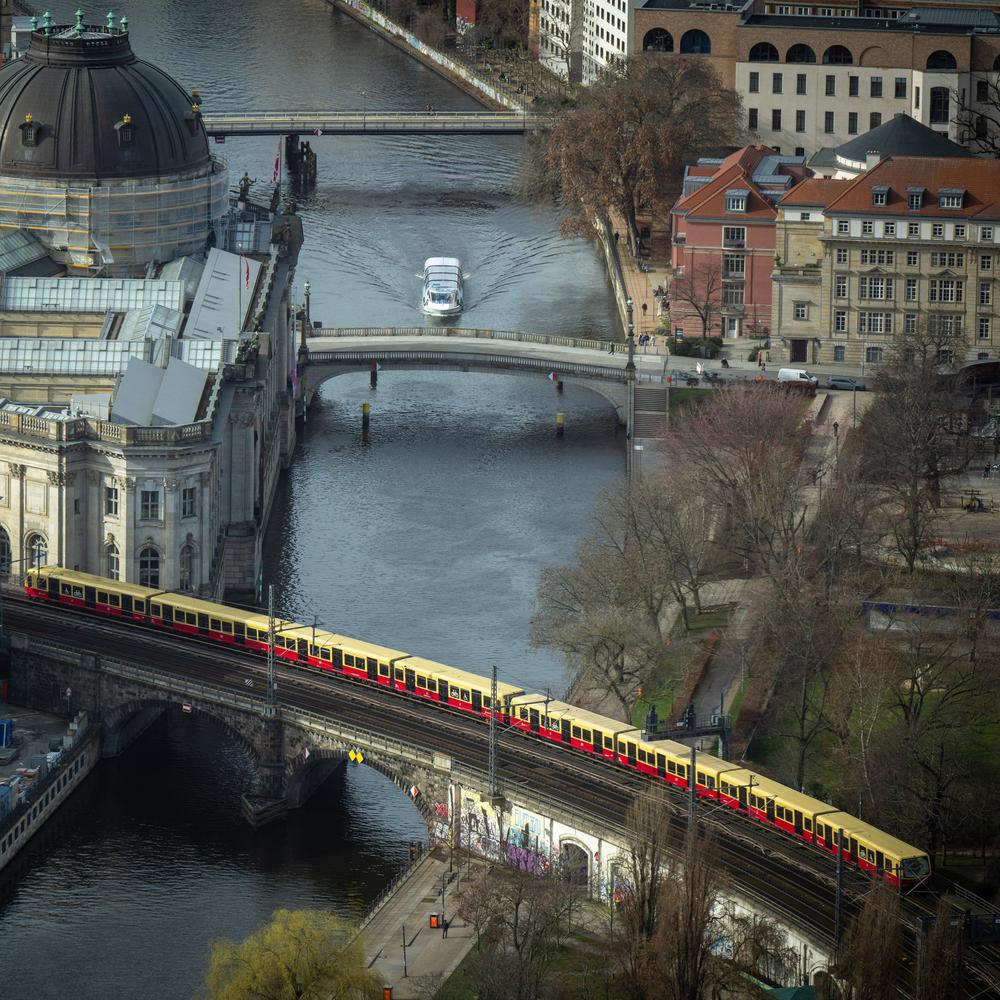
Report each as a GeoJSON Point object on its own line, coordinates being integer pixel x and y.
{"type": "Point", "coordinates": [682, 400]}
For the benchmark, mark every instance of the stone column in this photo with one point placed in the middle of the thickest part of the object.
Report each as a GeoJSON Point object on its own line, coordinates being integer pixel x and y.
{"type": "Point", "coordinates": [17, 472]}
{"type": "Point", "coordinates": [127, 518]}
{"type": "Point", "coordinates": [171, 547]}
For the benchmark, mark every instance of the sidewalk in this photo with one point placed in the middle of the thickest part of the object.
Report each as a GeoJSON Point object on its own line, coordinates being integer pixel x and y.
{"type": "Point", "coordinates": [429, 955]}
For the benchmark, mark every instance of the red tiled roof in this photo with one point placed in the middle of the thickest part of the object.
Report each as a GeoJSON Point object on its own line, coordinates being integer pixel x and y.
{"type": "Point", "coordinates": [979, 178]}
{"type": "Point", "coordinates": [814, 191]}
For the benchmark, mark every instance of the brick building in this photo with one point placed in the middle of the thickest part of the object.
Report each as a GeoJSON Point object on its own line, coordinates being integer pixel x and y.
{"type": "Point", "coordinates": [723, 241]}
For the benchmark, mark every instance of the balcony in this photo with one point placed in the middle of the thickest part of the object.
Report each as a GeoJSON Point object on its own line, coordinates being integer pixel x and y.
{"type": "Point", "coordinates": [731, 243]}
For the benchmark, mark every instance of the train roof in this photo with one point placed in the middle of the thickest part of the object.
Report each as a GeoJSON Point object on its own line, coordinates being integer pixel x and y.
{"type": "Point", "coordinates": [442, 670]}
{"type": "Point", "coordinates": [90, 580]}
{"type": "Point", "coordinates": [564, 710]}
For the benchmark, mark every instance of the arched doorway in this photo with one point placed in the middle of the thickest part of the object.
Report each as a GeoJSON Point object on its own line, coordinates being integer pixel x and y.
{"type": "Point", "coordinates": [574, 863]}
{"type": "Point", "coordinates": [149, 567]}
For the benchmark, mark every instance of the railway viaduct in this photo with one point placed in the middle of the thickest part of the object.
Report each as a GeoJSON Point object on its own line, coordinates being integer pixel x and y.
{"type": "Point", "coordinates": [296, 748]}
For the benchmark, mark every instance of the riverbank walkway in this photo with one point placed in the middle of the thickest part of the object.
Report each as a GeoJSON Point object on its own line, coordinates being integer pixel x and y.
{"type": "Point", "coordinates": [429, 956]}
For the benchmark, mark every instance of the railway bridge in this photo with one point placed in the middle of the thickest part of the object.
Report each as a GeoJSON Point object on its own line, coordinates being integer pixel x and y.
{"type": "Point", "coordinates": [541, 807]}
{"type": "Point", "coordinates": [634, 383]}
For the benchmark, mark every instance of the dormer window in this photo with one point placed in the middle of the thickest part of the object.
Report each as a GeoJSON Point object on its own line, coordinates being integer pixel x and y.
{"type": "Point", "coordinates": [736, 200]}
{"type": "Point", "coordinates": [951, 197]}
{"type": "Point", "coordinates": [914, 198]}
{"type": "Point", "coordinates": [125, 131]}
{"type": "Point", "coordinates": [29, 131]}
{"type": "Point", "coordinates": [880, 195]}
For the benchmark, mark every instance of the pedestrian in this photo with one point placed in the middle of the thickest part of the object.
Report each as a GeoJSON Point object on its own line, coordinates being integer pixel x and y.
{"type": "Point", "coordinates": [760, 361]}
{"type": "Point", "coordinates": [444, 928]}
{"type": "Point", "coordinates": [611, 349]}
{"type": "Point", "coordinates": [986, 471]}
{"type": "Point", "coordinates": [644, 308]}
{"type": "Point", "coordinates": [996, 447]}
{"type": "Point", "coordinates": [617, 238]}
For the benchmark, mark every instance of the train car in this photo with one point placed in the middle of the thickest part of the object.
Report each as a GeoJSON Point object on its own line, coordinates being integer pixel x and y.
{"type": "Point", "coordinates": [458, 688]}
{"type": "Point", "coordinates": [567, 724]}
{"type": "Point", "coordinates": [82, 590]}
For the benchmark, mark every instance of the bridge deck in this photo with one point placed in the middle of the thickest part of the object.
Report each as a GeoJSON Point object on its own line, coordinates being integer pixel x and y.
{"type": "Point", "coordinates": [373, 123]}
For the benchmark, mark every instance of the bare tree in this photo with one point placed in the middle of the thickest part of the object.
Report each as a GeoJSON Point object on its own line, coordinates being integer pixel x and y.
{"type": "Point", "coordinates": [699, 288]}
{"type": "Point", "coordinates": [979, 120]}
{"type": "Point", "coordinates": [866, 965]}
{"type": "Point", "coordinates": [939, 956]}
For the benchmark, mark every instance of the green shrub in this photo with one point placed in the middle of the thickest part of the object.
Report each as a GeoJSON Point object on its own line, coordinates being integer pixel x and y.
{"type": "Point", "coordinates": [692, 348]}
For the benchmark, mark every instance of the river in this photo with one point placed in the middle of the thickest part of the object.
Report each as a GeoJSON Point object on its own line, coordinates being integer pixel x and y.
{"type": "Point", "coordinates": [429, 538]}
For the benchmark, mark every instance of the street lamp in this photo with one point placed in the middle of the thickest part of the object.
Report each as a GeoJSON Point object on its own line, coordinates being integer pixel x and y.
{"type": "Point", "coordinates": [630, 365]}
{"type": "Point", "coordinates": [364, 109]}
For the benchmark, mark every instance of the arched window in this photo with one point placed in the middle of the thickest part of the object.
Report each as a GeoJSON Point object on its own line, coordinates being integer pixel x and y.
{"type": "Point", "coordinates": [940, 106]}
{"type": "Point", "coordinates": [696, 42]}
{"type": "Point", "coordinates": [764, 52]}
{"type": "Point", "coordinates": [837, 55]}
{"type": "Point", "coordinates": [38, 550]}
{"type": "Point", "coordinates": [112, 562]}
{"type": "Point", "coordinates": [941, 60]}
{"type": "Point", "coordinates": [187, 581]}
{"type": "Point", "coordinates": [149, 567]}
{"type": "Point", "coordinates": [800, 54]}
{"type": "Point", "coordinates": [658, 40]}
{"type": "Point", "coordinates": [5, 554]}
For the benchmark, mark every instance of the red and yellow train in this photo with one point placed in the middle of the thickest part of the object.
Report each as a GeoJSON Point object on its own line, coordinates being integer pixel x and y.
{"type": "Point", "coordinates": [759, 798]}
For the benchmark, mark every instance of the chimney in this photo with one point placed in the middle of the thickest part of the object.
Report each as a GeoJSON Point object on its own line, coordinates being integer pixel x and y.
{"type": "Point", "coordinates": [872, 159]}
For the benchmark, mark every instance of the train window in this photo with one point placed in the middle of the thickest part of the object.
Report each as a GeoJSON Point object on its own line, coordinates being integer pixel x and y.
{"type": "Point", "coordinates": [78, 593]}
{"type": "Point", "coordinates": [682, 770]}
{"type": "Point", "coordinates": [399, 673]}
{"type": "Point", "coordinates": [671, 767]}
{"type": "Point", "coordinates": [114, 600]}
{"type": "Point", "coordinates": [454, 692]}
{"type": "Point", "coordinates": [465, 695]}
{"type": "Point", "coordinates": [608, 743]}
{"type": "Point", "coordinates": [156, 610]}
{"type": "Point", "coordinates": [586, 736]}
{"type": "Point", "coordinates": [102, 597]}
{"type": "Point", "coordinates": [215, 624]}
{"type": "Point", "coordinates": [326, 654]}
{"type": "Point", "coordinates": [524, 714]}
{"type": "Point", "coordinates": [65, 588]}
{"type": "Point", "coordinates": [383, 670]}
{"type": "Point", "coordinates": [808, 824]}
{"type": "Point", "coordinates": [348, 659]}
{"type": "Point", "coordinates": [701, 777]}
{"type": "Point", "coordinates": [487, 700]}
{"type": "Point", "coordinates": [421, 681]}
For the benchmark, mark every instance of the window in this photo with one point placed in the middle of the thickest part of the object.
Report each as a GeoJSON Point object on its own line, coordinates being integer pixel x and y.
{"type": "Point", "coordinates": [878, 256]}
{"type": "Point", "coordinates": [959, 231]}
{"type": "Point", "coordinates": [873, 355]}
{"type": "Point", "coordinates": [755, 83]}
{"type": "Point", "coordinates": [38, 550]}
{"type": "Point", "coordinates": [985, 262]}
{"type": "Point", "coordinates": [949, 198]}
{"type": "Point", "coordinates": [734, 236]}
{"type": "Point", "coordinates": [910, 323]}
{"type": "Point", "coordinates": [984, 327]}
{"type": "Point", "coordinates": [112, 563]}
{"type": "Point", "coordinates": [150, 505]}
{"type": "Point", "coordinates": [840, 286]}
{"type": "Point", "coordinates": [982, 91]}
{"type": "Point", "coordinates": [764, 52]}
{"type": "Point", "coordinates": [805, 216]}
{"type": "Point", "coordinates": [6, 560]}
{"type": "Point", "coordinates": [900, 87]}
{"type": "Point", "coordinates": [948, 259]}
{"type": "Point", "coordinates": [986, 234]}
{"type": "Point", "coordinates": [840, 321]}
{"type": "Point", "coordinates": [188, 501]}
{"type": "Point", "coordinates": [800, 310]}
{"type": "Point", "coordinates": [911, 290]}
{"type": "Point", "coordinates": [776, 83]}
{"type": "Point", "coordinates": [853, 86]}
{"type": "Point", "coordinates": [940, 106]}
{"type": "Point", "coordinates": [889, 229]}
{"type": "Point", "coordinates": [29, 132]}
{"type": "Point", "coordinates": [800, 121]}
{"type": "Point", "coordinates": [985, 293]}
{"type": "Point", "coordinates": [852, 123]}
{"type": "Point", "coordinates": [838, 352]}
{"type": "Point", "coordinates": [696, 42]}
{"type": "Point", "coordinates": [913, 229]}
{"type": "Point", "coordinates": [875, 322]}
{"type": "Point", "coordinates": [800, 83]}
{"type": "Point", "coordinates": [736, 201]}
{"type": "Point", "coordinates": [874, 120]}
{"type": "Point", "coordinates": [110, 501]}
{"type": "Point", "coordinates": [149, 567]}
{"type": "Point", "coordinates": [828, 122]}
{"type": "Point", "coordinates": [732, 295]}
{"type": "Point", "coordinates": [776, 120]}
{"type": "Point", "coordinates": [941, 60]}
{"type": "Point", "coordinates": [841, 255]}
{"type": "Point", "coordinates": [946, 290]}
{"type": "Point", "coordinates": [914, 198]}
{"type": "Point", "coordinates": [875, 86]}
{"type": "Point", "coordinates": [734, 265]}
{"type": "Point", "coordinates": [880, 195]}
{"type": "Point", "coordinates": [752, 119]}
{"type": "Point", "coordinates": [800, 54]}
{"type": "Point", "coordinates": [912, 258]}
{"type": "Point", "coordinates": [874, 288]}
{"type": "Point", "coordinates": [867, 227]}
{"type": "Point", "coordinates": [843, 227]}
{"type": "Point", "coordinates": [937, 231]}
{"type": "Point", "coordinates": [831, 86]}
{"type": "Point", "coordinates": [837, 55]}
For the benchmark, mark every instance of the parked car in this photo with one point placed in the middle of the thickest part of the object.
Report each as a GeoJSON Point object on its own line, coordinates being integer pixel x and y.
{"type": "Point", "coordinates": [843, 382]}
{"type": "Point", "coordinates": [796, 375]}
{"type": "Point", "coordinates": [678, 377]}
{"type": "Point", "coordinates": [713, 378]}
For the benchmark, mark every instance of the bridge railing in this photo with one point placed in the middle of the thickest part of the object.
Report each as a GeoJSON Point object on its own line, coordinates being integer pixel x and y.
{"type": "Point", "coordinates": [474, 333]}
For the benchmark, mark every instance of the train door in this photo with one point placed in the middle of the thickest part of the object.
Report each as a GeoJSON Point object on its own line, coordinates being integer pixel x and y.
{"type": "Point", "coordinates": [769, 809]}
{"type": "Point", "coordinates": [203, 624]}
{"type": "Point", "coordinates": [126, 604]}
{"type": "Point", "coordinates": [477, 701]}
{"type": "Point", "coordinates": [661, 765]}
{"type": "Point", "coordinates": [89, 596]}
{"type": "Point", "coordinates": [372, 668]}
{"type": "Point", "coordinates": [798, 821]}
{"type": "Point", "coordinates": [240, 632]}
{"type": "Point", "coordinates": [630, 746]}
{"type": "Point", "coordinates": [743, 797]}
{"type": "Point", "coordinates": [338, 659]}
{"type": "Point", "coordinates": [303, 650]}
{"type": "Point", "coordinates": [566, 731]}
{"type": "Point", "coordinates": [879, 861]}
{"type": "Point", "coordinates": [53, 588]}
{"type": "Point", "coordinates": [410, 682]}
{"type": "Point", "coordinates": [533, 719]}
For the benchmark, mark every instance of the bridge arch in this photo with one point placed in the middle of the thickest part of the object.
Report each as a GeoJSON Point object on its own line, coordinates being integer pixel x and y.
{"type": "Point", "coordinates": [575, 861]}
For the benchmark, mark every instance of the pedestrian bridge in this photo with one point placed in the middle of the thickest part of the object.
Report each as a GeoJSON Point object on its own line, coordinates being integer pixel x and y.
{"type": "Point", "coordinates": [599, 364]}
{"type": "Point", "coordinates": [364, 122]}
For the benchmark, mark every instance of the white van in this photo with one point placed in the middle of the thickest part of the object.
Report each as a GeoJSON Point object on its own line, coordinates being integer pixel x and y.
{"type": "Point", "coordinates": [796, 375]}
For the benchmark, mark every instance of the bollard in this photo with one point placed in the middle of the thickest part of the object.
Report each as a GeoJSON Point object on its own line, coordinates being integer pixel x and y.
{"type": "Point", "coordinates": [559, 385]}
{"type": "Point", "coordinates": [366, 416]}
{"type": "Point", "coordinates": [373, 378]}
{"type": "Point", "coordinates": [386, 993]}
{"type": "Point", "coordinates": [560, 424]}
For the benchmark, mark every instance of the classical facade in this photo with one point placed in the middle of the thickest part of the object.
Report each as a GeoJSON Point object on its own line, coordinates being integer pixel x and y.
{"type": "Point", "coordinates": [814, 75]}
{"type": "Point", "coordinates": [147, 345]}
{"type": "Point", "coordinates": [723, 242]}
{"type": "Point", "coordinates": [911, 242]}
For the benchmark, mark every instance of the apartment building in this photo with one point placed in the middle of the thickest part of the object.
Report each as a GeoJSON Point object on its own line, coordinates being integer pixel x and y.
{"type": "Point", "coordinates": [723, 241]}
{"type": "Point", "coordinates": [580, 39]}
{"type": "Point", "coordinates": [812, 75]}
{"type": "Point", "coordinates": [909, 243]}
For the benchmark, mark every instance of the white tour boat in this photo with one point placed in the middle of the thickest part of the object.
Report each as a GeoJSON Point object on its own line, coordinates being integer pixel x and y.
{"type": "Point", "coordinates": [442, 286]}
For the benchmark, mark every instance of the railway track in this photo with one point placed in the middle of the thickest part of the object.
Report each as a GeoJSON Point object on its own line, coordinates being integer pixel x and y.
{"type": "Point", "coordinates": [784, 877]}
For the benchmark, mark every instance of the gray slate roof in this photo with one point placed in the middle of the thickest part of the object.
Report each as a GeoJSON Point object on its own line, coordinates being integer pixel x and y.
{"type": "Point", "coordinates": [900, 136]}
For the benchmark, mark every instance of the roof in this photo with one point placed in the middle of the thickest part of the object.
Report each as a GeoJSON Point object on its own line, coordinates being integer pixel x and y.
{"type": "Point", "coordinates": [901, 135]}
{"type": "Point", "coordinates": [77, 90]}
{"type": "Point", "coordinates": [224, 296]}
{"type": "Point", "coordinates": [94, 295]}
{"type": "Point", "coordinates": [706, 5]}
{"type": "Point", "coordinates": [149, 396]}
{"type": "Point", "coordinates": [950, 26]}
{"type": "Point", "coordinates": [813, 192]}
{"type": "Point", "coordinates": [978, 177]}
{"type": "Point", "coordinates": [949, 17]}
{"type": "Point", "coordinates": [18, 249]}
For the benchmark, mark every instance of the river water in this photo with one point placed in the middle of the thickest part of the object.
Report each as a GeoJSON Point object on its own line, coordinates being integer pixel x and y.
{"type": "Point", "coordinates": [428, 538]}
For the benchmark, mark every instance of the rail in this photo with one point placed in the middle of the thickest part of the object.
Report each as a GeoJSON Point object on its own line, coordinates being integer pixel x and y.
{"type": "Point", "coordinates": [474, 333]}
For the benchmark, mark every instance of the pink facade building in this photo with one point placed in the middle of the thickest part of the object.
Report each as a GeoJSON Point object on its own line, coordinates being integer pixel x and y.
{"type": "Point", "coordinates": [723, 242]}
